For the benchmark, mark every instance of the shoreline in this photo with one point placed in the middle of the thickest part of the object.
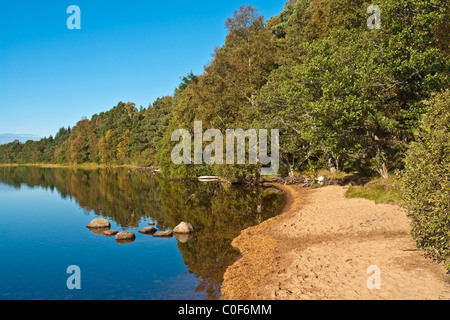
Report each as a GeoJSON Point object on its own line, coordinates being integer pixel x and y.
{"type": "Point", "coordinates": [87, 166]}
{"type": "Point", "coordinates": [321, 246]}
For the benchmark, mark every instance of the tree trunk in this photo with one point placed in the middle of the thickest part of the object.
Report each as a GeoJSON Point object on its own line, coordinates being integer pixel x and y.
{"type": "Point", "coordinates": [382, 167]}
{"type": "Point", "coordinates": [383, 171]}
{"type": "Point", "coordinates": [332, 163]}
{"type": "Point", "coordinates": [291, 172]}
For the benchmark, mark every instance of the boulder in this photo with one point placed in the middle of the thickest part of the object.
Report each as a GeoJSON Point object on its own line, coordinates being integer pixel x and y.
{"type": "Point", "coordinates": [151, 223]}
{"type": "Point", "coordinates": [99, 223]}
{"type": "Point", "coordinates": [183, 227]}
{"type": "Point", "coordinates": [125, 235]}
{"type": "Point", "coordinates": [149, 230]}
{"type": "Point", "coordinates": [165, 234]}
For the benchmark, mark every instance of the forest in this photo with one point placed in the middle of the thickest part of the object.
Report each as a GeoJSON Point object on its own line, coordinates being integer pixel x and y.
{"type": "Point", "coordinates": [344, 97]}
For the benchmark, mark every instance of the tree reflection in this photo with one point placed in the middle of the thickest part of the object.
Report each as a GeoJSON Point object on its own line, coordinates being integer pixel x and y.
{"type": "Point", "coordinates": [218, 212]}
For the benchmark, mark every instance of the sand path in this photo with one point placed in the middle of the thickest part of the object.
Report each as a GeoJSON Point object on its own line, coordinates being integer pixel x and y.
{"type": "Point", "coordinates": [322, 247]}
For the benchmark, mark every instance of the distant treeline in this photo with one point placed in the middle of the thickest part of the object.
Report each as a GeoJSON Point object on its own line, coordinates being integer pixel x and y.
{"type": "Point", "coordinates": [343, 96]}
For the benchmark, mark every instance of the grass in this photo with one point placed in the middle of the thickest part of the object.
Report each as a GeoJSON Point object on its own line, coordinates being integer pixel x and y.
{"type": "Point", "coordinates": [378, 190]}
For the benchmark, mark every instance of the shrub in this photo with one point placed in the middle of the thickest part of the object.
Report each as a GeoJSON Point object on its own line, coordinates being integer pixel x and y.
{"type": "Point", "coordinates": [426, 180]}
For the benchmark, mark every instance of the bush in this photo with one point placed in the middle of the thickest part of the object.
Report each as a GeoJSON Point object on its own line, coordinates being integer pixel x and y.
{"type": "Point", "coordinates": [426, 180]}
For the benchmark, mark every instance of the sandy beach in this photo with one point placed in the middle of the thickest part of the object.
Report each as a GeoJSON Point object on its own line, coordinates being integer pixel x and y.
{"type": "Point", "coordinates": [321, 247]}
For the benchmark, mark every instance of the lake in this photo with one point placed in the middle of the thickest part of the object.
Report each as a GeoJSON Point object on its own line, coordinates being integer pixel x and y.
{"type": "Point", "coordinates": [43, 218]}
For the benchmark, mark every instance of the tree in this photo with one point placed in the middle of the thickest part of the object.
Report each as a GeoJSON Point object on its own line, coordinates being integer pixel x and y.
{"type": "Point", "coordinates": [146, 136]}
{"type": "Point", "coordinates": [224, 96]}
{"type": "Point", "coordinates": [108, 147]}
{"type": "Point", "coordinates": [344, 93]}
{"type": "Point", "coordinates": [123, 148]}
{"type": "Point", "coordinates": [183, 117]}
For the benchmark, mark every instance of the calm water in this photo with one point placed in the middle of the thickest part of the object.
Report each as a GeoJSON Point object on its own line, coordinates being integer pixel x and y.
{"type": "Point", "coordinates": [43, 218]}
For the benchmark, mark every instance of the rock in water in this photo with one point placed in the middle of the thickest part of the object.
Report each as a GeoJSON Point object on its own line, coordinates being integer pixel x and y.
{"type": "Point", "coordinates": [99, 223]}
{"type": "Point", "coordinates": [125, 235]}
{"type": "Point", "coordinates": [165, 234]}
{"type": "Point", "coordinates": [151, 223]}
{"type": "Point", "coordinates": [183, 227]}
{"type": "Point", "coordinates": [150, 230]}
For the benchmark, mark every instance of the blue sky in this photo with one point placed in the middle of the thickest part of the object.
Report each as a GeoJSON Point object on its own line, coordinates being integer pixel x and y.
{"type": "Point", "coordinates": [131, 50]}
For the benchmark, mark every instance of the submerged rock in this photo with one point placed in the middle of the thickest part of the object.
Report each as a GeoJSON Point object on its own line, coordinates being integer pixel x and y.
{"type": "Point", "coordinates": [183, 227]}
{"type": "Point", "coordinates": [149, 230]}
{"type": "Point", "coordinates": [99, 223]}
{"type": "Point", "coordinates": [164, 234]}
{"type": "Point", "coordinates": [125, 237]}
{"type": "Point", "coordinates": [110, 233]}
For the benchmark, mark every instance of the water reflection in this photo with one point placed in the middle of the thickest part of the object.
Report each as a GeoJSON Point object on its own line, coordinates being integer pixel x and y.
{"type": "Point", "coordinates": [218, 212]}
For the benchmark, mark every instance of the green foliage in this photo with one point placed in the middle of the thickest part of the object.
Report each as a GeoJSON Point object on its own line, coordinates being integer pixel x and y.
{"type": "Point", "coordinates": [182, 118]}
{"type": "Point", "coordinates": [426, 180]}
{"type": "Point", "coordinates": [349, 94]}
